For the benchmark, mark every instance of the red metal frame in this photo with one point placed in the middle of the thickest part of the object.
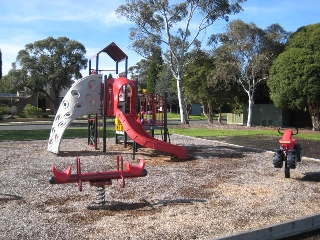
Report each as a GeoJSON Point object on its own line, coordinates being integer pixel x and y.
{"type": "Point", "coordinates": [151, 109]}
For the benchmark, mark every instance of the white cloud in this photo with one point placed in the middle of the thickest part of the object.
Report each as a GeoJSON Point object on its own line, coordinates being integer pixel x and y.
{"type": "Point", "coordinates": [111, 19]}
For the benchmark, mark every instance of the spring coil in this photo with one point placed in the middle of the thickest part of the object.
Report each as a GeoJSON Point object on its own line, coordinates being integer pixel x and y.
{"type": "Point", "coordinates": [100, 195]}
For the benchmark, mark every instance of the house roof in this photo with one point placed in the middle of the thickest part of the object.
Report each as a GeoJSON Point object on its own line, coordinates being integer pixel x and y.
{"type": "Point", "coordinates": [8, 96]}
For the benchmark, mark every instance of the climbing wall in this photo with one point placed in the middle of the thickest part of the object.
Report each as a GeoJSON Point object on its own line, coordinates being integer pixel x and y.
{"type": "Point", "coordinates": [81, 99]}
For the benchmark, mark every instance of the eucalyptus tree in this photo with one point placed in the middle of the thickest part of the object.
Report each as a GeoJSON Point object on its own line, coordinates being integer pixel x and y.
{"type": "Point", "coordinates": [176, 27]}
{"type": "Point", "coordinates": [208, 85]}
{"type": "Point", "coordinates": [140, 72]}
{"type": "Point", "coordinates": [164, 84]}
{"type": "Point", "coordinates": [8, 83]}
{"type": "Point", "coordinates": [246, 54]}
{"type": "Point", "coordinates": [155, 63]}
{"type": "Point", "coordinates": [48, 66]}
{"type": "Point", "coordinates": [196, 85]}
{"type": "Point", "coordinates": [295, 75]}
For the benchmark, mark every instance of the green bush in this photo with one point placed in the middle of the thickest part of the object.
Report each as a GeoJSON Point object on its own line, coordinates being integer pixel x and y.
{"type": "Point", "coordinates": [32, 111]}
{"type": "Point", "coordinates": [3, 111]}
{"type": "Point", "coordinates": [13, 110]}
{"type": "Point", "coordinates": [45, 115]}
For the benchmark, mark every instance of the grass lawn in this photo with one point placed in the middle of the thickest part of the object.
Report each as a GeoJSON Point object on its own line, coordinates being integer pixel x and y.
{"type": "Point", "coordinates": [198, 132]}
{"type": "Point", "coordinates": [43, 134]}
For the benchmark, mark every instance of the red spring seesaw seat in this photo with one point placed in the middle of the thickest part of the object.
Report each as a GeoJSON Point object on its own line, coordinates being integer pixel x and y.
{"type": "Point", "coordinates": [61, 177]}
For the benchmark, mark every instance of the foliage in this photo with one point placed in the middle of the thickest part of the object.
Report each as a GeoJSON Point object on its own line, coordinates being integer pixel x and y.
{"type": "Point", "coordinates": [12, 110]}
{"type": "Point", "coordinates": [140, 72]}
{"type": "Point", "coordinates": [48, 66]}
{"type": "Point", "coordinates": [155, 62]}
{"type": "Point", "coordinates": [8, 85]}
{"type": "Point", "coordinates": [165, 83]}
{"type": "Point", "coordinates": [197, 88]}
{"type": "Point", "coordinates": [161, 73]}
{"type": "Point", "coordinates": [8, 110]}
{"type": "Point", "coordinates": [246, 55]}
{"type": "Point", "coordinates": [32, 111]}
{"type": "Point", "coordinates": [157, 24]}
{"type": "Point", "coordinates": [295, 75]}
{"type": "Point", "coordinates": [3, 111]}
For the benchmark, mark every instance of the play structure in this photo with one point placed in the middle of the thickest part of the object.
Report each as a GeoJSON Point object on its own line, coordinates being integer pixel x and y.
{"type": "Point", "coordinates": [115, 97]}
{"type": "Point", "coordinates": [289, 152]}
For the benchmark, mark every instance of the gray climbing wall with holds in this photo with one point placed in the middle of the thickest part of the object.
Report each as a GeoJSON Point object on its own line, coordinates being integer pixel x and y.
{"type": "Point", "coordinates": [82, 98]}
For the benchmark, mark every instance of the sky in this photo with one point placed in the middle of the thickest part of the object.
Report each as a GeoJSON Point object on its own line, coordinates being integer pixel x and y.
{"type": "Point", "coordinates": [95, 24]}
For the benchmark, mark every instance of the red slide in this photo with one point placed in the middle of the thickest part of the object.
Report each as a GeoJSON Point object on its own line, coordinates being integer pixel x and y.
{"type": "Point", "coordinates": [133, 127]}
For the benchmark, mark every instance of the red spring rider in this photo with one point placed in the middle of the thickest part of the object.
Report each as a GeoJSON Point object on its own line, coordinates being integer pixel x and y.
{"type": "Point", "coordinates": [289, 152]}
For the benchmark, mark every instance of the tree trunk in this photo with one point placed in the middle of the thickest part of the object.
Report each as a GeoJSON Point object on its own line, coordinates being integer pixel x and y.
{"type": "Point", "coordinates": [250, 112]}
{"type": "Point", "coordinates": [182, 105]}
{"type": "Point", "coordinates": [210, 113]}
{"type": "Point", "coordinates": [219, 115]}
{"type": "Point", "coordinates": [314, 110]}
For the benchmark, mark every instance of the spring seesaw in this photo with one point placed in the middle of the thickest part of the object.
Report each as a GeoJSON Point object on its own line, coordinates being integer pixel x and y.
{"type": "Point", "coordinates": [99, 179]}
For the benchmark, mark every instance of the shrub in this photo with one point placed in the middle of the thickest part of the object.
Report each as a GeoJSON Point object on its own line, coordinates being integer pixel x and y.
{"type": "Point", "coordinates": [32, 111]}
{"type": "Point", "coordinates": [45, 115]}
{"type": "Point", "coordinates": [22, 115]}
{"type": "Point", "coordinates": [13, 110]}
{"type": "Point", "coordinates": [3, 111]}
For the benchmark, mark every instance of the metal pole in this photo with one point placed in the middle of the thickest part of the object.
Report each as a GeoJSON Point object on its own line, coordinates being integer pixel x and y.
{"type": "Point", "coordinates": [97, 64]}
{"type": "Point", "coordinates": [165, 122]}
{"type": "Point", "coordinates": [117, 68]}
{"type": "Point", "coordinates": [89, 131]}
{"type": "Point", "coordinates": [96, 133]}
{"type": "Point", "coordinates": [137, 97]}
{"type": "Point", "coordinates": [104, 112]}
{"type": "Point", "coordinates": [126, 67]}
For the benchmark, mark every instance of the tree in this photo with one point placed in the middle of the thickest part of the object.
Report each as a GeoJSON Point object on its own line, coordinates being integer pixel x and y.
{"type": "Point", "coordinates": [8, 84]}
{"type": "Point", "coordinates": [204, 84]}
{"type": "Point", "coordinates": [225, 90]}
{"type": "Point", "coordinates": [196, 85]}
{"type": "Point", "coordinates": [248, 52]}
{"type": "Point", "coordinates": [157, 23]}
{"type": "Point", "coordinates": [155, 62]}
{"type": "Point", "coordinates": [140, 72]}
{"type": "Point", "coordinates": [295, 75]}
{"type": "Point", "coordinates": [48, 66]}
{"type": "Point", "coordinates": [164, 84]}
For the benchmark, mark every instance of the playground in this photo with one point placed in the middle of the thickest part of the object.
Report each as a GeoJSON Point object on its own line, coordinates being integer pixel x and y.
{"type": "Point", "coordinates": [220, 189]}
{"type": "Point", "coordinates": [140, 186]}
